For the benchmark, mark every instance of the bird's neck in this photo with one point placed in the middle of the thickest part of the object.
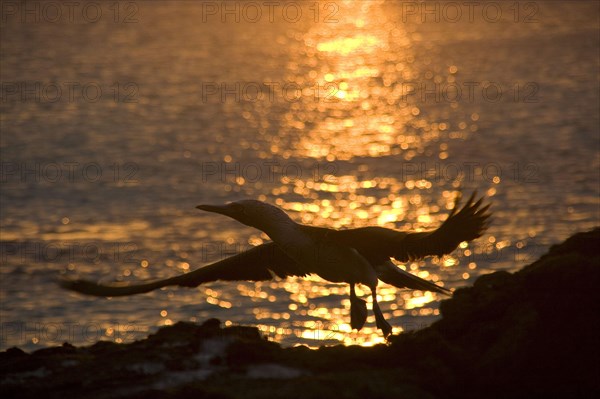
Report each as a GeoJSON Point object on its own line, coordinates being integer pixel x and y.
{"type": "Point", "coordinates": [291, 239]}
{"type": "Point", "coordinates": [289, 236]}
{"type": "Point", "coordinates": [280, 229]}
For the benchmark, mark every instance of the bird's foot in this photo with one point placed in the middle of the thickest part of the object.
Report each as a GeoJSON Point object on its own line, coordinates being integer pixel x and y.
{"type": "Point", "coordinates": [384, 326]}
{"type": "Point", "coordinates": [358, 313]}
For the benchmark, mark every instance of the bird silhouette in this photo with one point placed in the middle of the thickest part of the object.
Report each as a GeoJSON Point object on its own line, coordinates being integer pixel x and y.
{"type": "Point", "coordinates": [353, 256]}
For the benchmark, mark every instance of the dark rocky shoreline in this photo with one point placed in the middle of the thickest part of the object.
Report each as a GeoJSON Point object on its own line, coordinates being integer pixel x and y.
{"type": "Point", "coordinates": [533, 333]}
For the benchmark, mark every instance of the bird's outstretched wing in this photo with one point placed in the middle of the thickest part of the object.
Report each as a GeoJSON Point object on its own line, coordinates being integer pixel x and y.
{"type": "Point", "coordinates": [465, 224]}
{"type": "Point", "coordinates": [263, 262]}
{"type": "Point", "coordinates": [379, 243]}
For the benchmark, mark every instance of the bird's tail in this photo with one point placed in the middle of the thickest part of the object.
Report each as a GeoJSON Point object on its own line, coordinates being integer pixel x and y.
{"type": "Point", "coordinates": [397, 277]}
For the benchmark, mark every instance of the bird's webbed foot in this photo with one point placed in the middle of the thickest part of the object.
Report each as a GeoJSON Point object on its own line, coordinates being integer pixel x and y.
{"type": "Point", "coordinates": [358, 313]}
{"type": "Point", "coordinates": [380, 321]}
{"type": "Point", "coordinates": [384, 326]}
{"type": "Point", "coordinates": [358, 310]}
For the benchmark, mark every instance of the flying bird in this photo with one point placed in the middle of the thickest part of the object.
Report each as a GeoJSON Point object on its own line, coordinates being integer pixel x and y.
{"type": "Point", "coordinates": [353, 256]}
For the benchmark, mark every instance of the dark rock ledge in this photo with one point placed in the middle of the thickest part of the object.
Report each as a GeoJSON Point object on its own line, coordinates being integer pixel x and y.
{"type": "Point", "coordinates": [531, 334]}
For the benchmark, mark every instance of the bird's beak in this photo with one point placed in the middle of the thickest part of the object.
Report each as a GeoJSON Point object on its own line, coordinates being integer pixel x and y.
{"type": "Point", "coordinates": [221, 209]}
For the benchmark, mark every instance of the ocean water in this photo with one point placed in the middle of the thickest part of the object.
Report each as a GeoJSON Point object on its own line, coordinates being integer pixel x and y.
{"type": "Point", "coordinates": [118, 118]}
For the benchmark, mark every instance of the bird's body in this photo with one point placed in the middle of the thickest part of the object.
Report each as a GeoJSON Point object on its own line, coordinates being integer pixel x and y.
{"type": "Point", "coordinates": [353, 256]}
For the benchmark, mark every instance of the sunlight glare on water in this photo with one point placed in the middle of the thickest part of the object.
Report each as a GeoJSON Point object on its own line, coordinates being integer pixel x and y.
{"type": "Point", "coordinates": [361, 108]}
{"type": "Point", "coordinates": [352, 141]}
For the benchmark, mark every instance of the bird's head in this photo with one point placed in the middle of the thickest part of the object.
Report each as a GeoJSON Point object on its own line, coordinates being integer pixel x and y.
{"type": "Point", "coordinates": [253, 213]}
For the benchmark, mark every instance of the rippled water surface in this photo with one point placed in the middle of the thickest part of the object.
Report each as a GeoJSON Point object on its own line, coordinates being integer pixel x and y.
{"type": "Point", "coordinates": [351, 113]}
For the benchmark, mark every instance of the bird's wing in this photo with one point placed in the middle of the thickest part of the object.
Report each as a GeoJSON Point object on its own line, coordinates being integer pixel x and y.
{"type": "Point", "coordinates": [465, 224]}
{"type": "Point", "coordinates": [378, 243]}
{"type": "Point", "coordinates": [263, 262]}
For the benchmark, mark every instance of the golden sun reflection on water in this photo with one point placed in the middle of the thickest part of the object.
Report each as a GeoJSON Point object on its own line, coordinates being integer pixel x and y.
{"type": "Point", "coordinates": [350, 206]}
{"type": "Point", "coordinates": [360, 67]}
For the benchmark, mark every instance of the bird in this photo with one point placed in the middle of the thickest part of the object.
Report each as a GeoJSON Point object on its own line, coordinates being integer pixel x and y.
{"type": "Point", "coordinates": [353, 256]}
